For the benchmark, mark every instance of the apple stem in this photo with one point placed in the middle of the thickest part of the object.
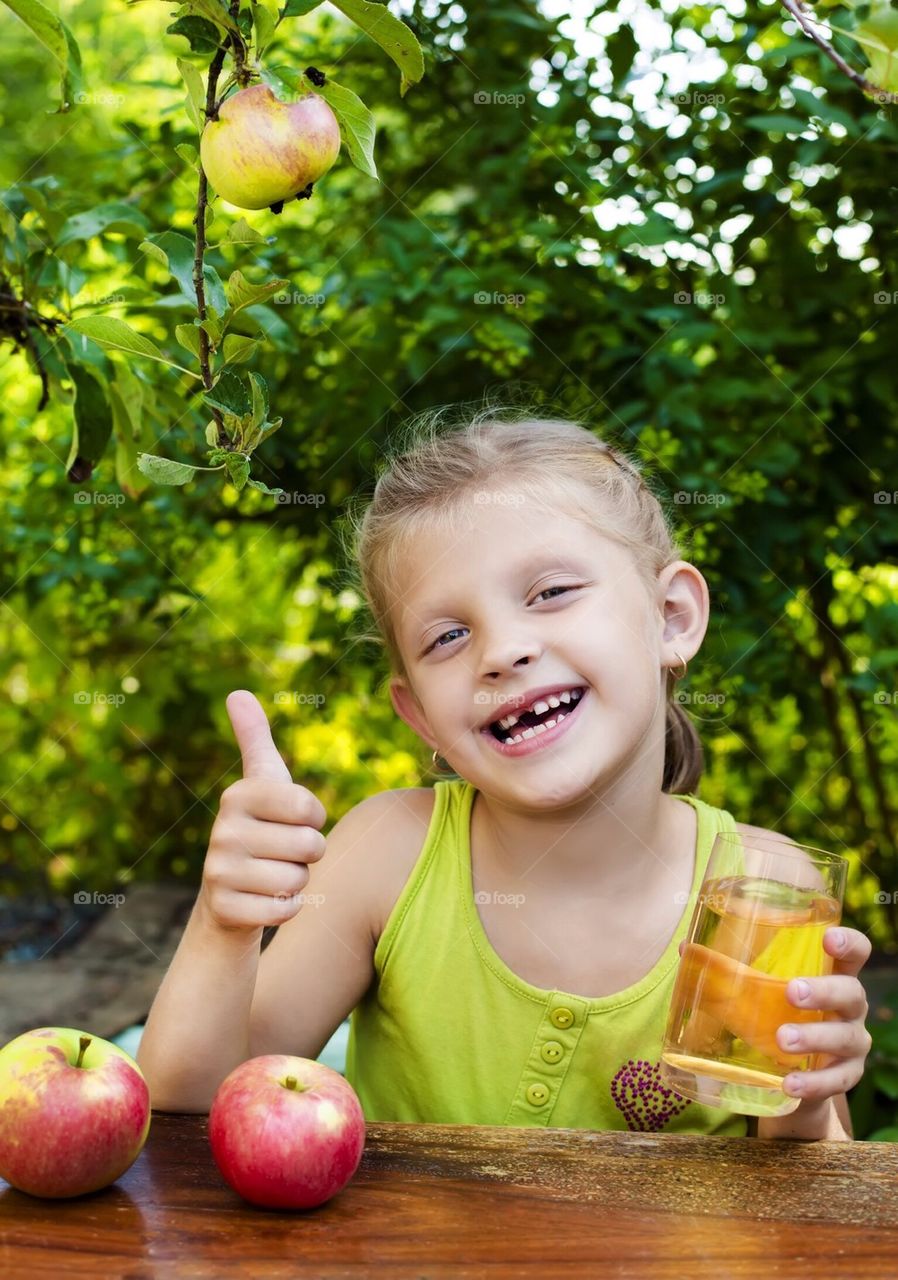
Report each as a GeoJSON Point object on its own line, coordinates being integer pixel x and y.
{"type": "Point", "coordinates": [292, 1083]}
{"type": "Point", "coordinates": [83, 1042]}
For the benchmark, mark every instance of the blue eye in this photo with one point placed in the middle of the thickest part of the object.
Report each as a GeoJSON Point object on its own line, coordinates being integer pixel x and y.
{"type": "Point", "coordinates": [438, 643]}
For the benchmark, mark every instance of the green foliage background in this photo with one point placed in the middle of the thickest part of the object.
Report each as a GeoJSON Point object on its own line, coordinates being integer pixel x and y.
{"type": "Point", "coordinates": [717, 294]}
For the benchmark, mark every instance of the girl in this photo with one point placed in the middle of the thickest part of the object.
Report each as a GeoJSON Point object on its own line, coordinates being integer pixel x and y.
{"type": "Point", "coordinates": [506, 941]}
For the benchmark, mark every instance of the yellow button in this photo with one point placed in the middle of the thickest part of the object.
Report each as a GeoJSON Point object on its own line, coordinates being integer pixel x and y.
{"type": "Point", "coordinates": [537, 1094]}
{"type": "Point", "coordinates": [561, 1018]}
{"type": "Point", "coordinates": [551, 1051]}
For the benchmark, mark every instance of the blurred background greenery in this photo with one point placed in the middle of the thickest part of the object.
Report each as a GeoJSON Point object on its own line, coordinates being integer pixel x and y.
{"type": "Point", "coordinates": [676, 223]}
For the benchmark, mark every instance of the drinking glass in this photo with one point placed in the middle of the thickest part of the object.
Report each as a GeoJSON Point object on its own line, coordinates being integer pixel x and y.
{"type": "Point", "coordinates": [761, 914]}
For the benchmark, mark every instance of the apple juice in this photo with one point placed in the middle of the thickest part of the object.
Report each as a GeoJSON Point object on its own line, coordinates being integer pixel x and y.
{"type": "Point", "coordinates": [750, 937]}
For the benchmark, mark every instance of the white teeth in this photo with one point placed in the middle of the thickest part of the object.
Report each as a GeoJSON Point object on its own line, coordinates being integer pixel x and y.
{"type": "Point", "coordinates": [540, 707]}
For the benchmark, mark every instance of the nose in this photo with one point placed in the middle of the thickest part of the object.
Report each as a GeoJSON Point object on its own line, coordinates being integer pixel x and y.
{"type": "Point", "coordinates": [503, 655]}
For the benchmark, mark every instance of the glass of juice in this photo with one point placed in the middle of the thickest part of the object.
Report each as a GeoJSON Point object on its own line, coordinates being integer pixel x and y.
{"type": "Point", "coordinates": [759, 921]}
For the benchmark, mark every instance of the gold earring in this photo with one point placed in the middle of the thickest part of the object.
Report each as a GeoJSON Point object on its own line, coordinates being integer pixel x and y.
{"type": "Point", "coordinates": [678, 675]}
{"type": "Point", "coordinates": [434, 758]}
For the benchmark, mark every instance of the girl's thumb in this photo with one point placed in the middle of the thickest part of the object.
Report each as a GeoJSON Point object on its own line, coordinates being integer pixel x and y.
{"type": "Point", "coordinates": [261, 758]}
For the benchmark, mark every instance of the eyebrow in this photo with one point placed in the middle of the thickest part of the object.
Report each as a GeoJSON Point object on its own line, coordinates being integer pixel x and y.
{"type": "Point", "coordinates": [574, 564]}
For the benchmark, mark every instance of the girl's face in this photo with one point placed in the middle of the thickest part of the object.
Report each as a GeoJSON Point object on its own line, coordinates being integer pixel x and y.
{"type": "Point", "coordinates": [517, 601]}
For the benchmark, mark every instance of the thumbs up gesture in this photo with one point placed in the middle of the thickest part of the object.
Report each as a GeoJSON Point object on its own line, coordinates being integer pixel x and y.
{"type": "Point", "coordinates": [267, 831]}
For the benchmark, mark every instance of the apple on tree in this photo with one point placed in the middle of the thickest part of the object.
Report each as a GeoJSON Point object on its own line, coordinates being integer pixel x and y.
{"type": "Point", "coordinates": [261, 151]}
{"type": "Point", "coordinates": [286, 1132]}
{"type": "Point", "coordinates": [74, 1112]}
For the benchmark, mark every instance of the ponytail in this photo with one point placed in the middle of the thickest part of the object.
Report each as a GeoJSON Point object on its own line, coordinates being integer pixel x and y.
{"type": "Point", "coordinates": [683, 757]}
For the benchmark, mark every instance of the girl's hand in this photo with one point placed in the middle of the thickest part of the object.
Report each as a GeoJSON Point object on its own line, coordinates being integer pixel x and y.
{"type": "Point", "coordinates": [267, 831]}
{"type": "Point", "coordinates": [841, 1038]}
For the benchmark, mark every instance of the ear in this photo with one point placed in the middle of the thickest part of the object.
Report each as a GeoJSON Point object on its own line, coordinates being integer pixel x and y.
{"type": "Point", "coordinates": [684, 604]}
{"type": "Point", "coordinates": [406, 706]}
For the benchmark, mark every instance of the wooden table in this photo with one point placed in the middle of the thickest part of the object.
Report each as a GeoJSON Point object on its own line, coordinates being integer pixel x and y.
{"type": "Point", "coordinates": [456, 1201]}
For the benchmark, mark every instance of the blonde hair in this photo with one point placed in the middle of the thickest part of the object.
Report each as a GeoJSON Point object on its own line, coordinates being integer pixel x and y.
{"type": "Point", "coordinates": [446, 456]}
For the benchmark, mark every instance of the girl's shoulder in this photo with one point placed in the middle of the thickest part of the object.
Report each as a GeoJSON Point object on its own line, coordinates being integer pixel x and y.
{"type": "Point", "coordinates": [399, 830]}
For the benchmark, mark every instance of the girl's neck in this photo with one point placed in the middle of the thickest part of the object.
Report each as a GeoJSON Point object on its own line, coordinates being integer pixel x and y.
{"type": "Point", "coordinates": [604, 846]}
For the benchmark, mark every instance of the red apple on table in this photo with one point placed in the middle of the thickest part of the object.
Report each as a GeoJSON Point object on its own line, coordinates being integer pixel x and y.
{"type": "Point", "coordinates": [261, 151]}
{"type": "Point", "coordinates": [74, 1112]}
{"type": "Point", "coordinates": [286, 1132]}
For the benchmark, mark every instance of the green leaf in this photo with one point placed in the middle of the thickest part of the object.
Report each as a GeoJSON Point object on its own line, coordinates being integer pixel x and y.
{"type": "Point", "coordinates": [299, 8]}
{"type": "Point", "coordinates": [356, 124]}
{"type": "Point", "coordinates": [238, 469]}
{"type": "Point", "coordinates": [777, 124]}
{"type": "Point", "coordinates": [238, 348]}
{"type": "Point", "coordinates": [212, 433]}
{"type": "Point", "coordinates": [621, 48]}
{"type": "Point", "coordinates": [93, 422]}
{"type": "Point", "coordinates": [113, 216]}
{"type": "Point", "coordinates": [56, 37]}
{"type": "Point", "coordinates": [263, 488]}
{"type": "Point", "coordinates": [214, 11]}
{"type": "Point", "coordinates": [213, 326]}
{"type": "Point", "coordinates": [888, 1134]}
{"type": "Point", "coordinates": [231, 393]}
{"type": "Point", "coordinates": [188, 154]}
{"type": "Point", "coordinates": [885, 1077]}
{"type": "Point", "coordinates": [196, 93]}
{"type": "Point", "coordinates": [177, 254]}
{"type": "Point", "coordinates": [393, 36]}
{"type": "Point", "coordinates": [241, 232]}
{"type": "Point", "coordinates": [127, 474]}
{"type": "Point", "coordinates": [189, 336]}
{"type": "Point", "coordinates": [164, 470]}
{"type": "Point", "coordinates": [264, 22]}
{"type": "Point", "coordinates": [116, 335]}
{"type": "Point", "coordinates": [242, 293]}
{"type": "Point", "coordinates": [202, 35]}
{"type": "Point", "coordinates": [821, 107]}
{"type": "Point", "coordinates": [260, 399]}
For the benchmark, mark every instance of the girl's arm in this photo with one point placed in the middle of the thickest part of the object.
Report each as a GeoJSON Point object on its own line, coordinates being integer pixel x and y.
{"type": "Point", "coordinates": [202, 1023]}
{"type": "Point", "coordinates": [221, 1002]}
{"type": "Point", "coordinates": [829, 1120]}
{"type": "Point", "coordinates": [198, 1027]}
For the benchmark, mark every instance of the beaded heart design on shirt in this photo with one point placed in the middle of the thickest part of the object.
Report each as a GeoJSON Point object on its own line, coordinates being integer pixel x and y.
{"type": "Point", "coordinates": [645, 1103]}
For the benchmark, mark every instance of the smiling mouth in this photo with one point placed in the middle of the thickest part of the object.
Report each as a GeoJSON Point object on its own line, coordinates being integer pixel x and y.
{"type": "Point", "coordinates": [531, 724]}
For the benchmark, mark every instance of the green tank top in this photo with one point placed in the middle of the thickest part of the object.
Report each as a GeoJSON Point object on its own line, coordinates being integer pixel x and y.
{"type": "Point", "coordinates": [448, 1034]}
